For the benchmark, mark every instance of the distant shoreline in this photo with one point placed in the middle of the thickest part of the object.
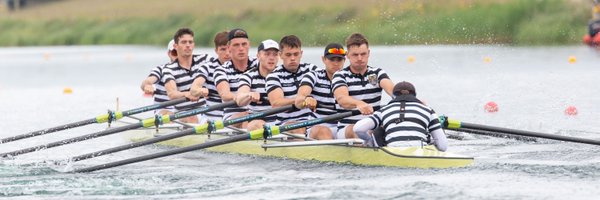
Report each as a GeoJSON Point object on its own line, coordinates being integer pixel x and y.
{"type": "Point", "coordinates": [512, 22]}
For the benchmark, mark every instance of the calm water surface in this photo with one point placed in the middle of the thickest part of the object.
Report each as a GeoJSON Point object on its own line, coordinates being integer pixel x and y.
{"type": "Point", "coordinates": [532, 87]}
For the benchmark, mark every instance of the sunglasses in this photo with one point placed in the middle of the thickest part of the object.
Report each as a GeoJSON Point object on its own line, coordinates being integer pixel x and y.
{"type": "Point", "coordinates": [337, 51]}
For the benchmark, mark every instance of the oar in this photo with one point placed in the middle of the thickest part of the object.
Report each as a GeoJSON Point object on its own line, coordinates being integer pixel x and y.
{"type": "Point", "coordinates": [196, 130]}
{"type": "Point", "coordinates": [456, 125]}
{"type": "Point", "coordinates": [266, 132]}
{"type": "Point", "coordinates": [111, 116]}
{"type": "Point", "coordinates": [177, 122]}
{"type": "Point", "coordinates": [496, 134]}
{"type": "Point", "coordinates": [155, 121]}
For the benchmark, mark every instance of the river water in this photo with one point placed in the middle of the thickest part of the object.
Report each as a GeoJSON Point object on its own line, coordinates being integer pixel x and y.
{"type": "Point", "coordinates": [531, 85]}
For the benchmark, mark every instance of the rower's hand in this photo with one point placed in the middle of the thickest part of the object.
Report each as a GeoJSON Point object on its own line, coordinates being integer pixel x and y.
{"type": "Point", "coordinates": [243, 99]}
{"type": "Point", "coordinates": [311, 103]}
{"type": "Point", "coordinates": [149, 89]}
{"type": "Point", "coordinates": [302, 102]}
{"type": "Point", "coordinates": [199, 92]}
{"type": "Point", "coordinates": [190, 97]}
{"type": "Point", "coordinates": [203, 92]}
{"type": "Point", "coordinates": [364, 108]}
{"type": "Point", "coordinates": [299, 101]}
{"type": "Point", "coordinates": [255, 97]}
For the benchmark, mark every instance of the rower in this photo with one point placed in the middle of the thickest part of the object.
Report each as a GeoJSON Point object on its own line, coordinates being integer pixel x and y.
{"type": "Point", "coordinates": [405, 121]}
{"type": "Point", "coordinates": [358, 86]}
{"type": "Point", "coordinates": [153, 85]}
{"type": "Point", "coordinates": [252, 83]}
{"type": "Point", "coordinates": [315, 92]}
{"type": "Point", "coordinates": [178, 75]}
{"type": "Point", "coordinates": [284, 81]}
{"type": "Point", "coordinates": [226, 76]}
{"type": "Point", "coordinates": [209, 68]}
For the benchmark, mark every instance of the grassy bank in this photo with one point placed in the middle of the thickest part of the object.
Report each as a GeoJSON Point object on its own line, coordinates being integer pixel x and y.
{"type": "Point", "coordinates": [387, 22]}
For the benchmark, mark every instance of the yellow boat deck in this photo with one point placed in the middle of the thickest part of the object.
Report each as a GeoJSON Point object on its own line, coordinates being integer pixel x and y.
{"type": "Point", "coordinates": [413, 157]}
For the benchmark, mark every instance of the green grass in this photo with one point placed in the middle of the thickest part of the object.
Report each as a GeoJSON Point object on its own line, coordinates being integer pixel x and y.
{"type": "Point", "coordinates": [519, 22]}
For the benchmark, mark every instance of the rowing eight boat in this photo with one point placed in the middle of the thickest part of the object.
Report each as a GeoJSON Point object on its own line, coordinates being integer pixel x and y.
{"type": "Point", "coordinates": [413, 157]}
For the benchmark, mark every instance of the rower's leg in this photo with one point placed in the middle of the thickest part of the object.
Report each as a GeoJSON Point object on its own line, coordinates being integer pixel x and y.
{"type": "Point", "coordinates": [320, 133]}
{"type": "Point", "coordinates": [349, 132]}
{"type": "Point", "coordinates": [299, 131]}
{"type": "Point", "coordinates": [190, 119]}
{"type": "Point", "coordinates": [255, 124]}
{"type": "Point", "coordinates": [238, 115]}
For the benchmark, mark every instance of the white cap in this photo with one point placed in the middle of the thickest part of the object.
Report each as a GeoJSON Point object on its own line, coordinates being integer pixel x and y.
{"type": "Point", "coordinates": [268, 44]}
{"type": "Point", "coordinates": [171, 45]}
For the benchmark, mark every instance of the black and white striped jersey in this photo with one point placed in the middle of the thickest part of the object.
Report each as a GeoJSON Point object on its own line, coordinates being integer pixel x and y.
{"type": "Point", "coordinates": [207, 71]}
{"type": "Point", "coordinates": [253, 79]}
{"type": "Point", "coordinates": [228, 72]}
{"type": "Point", "coordinates": [289, 82]}
{"type": "Point", "coordinates": [183, 79]}
{"type": "Point", "coordinates": [160, 93]}
{"type": "Point", "coordinates": [321, 91]}
{"type": "Point", "coordinates": [414, 122]}
{"type": "Point", "coordinates": [360, 87]}
{"type": "Point", "coordinates": [200, 58]}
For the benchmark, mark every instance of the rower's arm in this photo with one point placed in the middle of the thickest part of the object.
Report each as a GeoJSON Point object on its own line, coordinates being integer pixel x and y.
{"type": "Point", "coordinates": [301, 96]}
{"type": "Point", "coordinates": [437, 133]}
{"type": "Point", "coordinates": [388, 86]}
{"type": "Point", "coordinates": [277, 99]}
{"type": "Point", "coordinates": [362, 127]}
{"type": "Point", "coordinates": [243, 95]}
{"type": "Point", "coordinates": [439, 139]}
{"type": "Point", "coordinates": [225, 92]}
{"type": "Point", "coordinates": [342, 96]}
{"type": "Point", "coordinates": [197, 89]}
{"type": "Point", "coordinates": [173, 93]}
{"type": "Point", "coordinates": [147, 84]}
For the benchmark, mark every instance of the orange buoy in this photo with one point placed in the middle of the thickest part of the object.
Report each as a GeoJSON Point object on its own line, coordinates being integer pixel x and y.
{"type": "Point", "coordinates": [411, 59]}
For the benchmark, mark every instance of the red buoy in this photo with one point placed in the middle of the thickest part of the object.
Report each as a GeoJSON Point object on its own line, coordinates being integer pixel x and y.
{"type": "Point", "coordinates": [491, 107]}
{"type": "Point", "coordinates": [571, 111]}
